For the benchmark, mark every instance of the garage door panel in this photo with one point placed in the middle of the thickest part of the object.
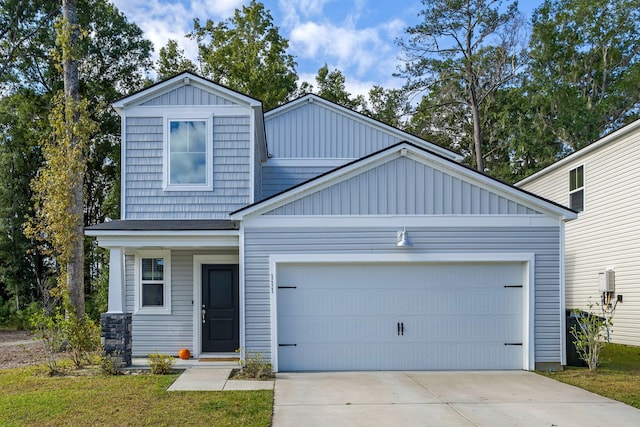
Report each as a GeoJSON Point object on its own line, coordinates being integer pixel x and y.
{"type": "Point", "coordinates": [454, 316]}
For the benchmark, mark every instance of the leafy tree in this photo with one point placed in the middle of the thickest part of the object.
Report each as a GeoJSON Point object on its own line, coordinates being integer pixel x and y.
{"type": "Point", "coordinates": [248, 54]}
{"type": "Point", "coordinates": [387, 105]}
{"type": "Point", "coordinates": [585, 67]}
{"type": "Point", "coordinates": [59, 185]}
{"type": "Point", "coordinates": [23, 122]}
{"type": "Point", "coordinates": [171, 61]}
{"type": "Point", "coordinates": [459, 55]}
{"type": "Point", "coordinates": [20, 22]}
{"type": "Point", "coordinates": [114, 60]}
{"type": "Point", "coordinates": [331, 86]}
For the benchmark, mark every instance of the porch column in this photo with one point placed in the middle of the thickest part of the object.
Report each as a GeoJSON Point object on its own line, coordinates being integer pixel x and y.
{"type": "Point", "coordinates": [116, 323]}
{"type": "Point", "coordinates": [117, 293]}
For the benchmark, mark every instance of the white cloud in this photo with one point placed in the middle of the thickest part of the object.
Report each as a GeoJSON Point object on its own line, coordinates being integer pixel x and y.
{"type": "Point", "coordinates": [356, 50]}
{"type": "Point", "coordinates": [319, 31]}
{"type": "Point", "coordinates": [162, 20]}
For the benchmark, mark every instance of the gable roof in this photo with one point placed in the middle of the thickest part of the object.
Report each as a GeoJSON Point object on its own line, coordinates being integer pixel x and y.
{"type": "Point", "coordinates": [404, 149]}
{"type": "Point", "coordinates": [184, 78]}
{"type": "Point", "coordinates": [359, 117]}
{"type": "Point", "coordinates": [606, 140]}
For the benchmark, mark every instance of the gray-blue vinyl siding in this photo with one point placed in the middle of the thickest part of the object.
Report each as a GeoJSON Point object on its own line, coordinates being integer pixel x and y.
{"type": "Point", "coordinates": [188, 95]}
{"type": "Point", "coordinates": [145, 197]}
{"type": "Point", "coordinates": [314, 131]}
{"type": "Point", "coordinates": [279, 178]}
{"type": "Point", "coordinates": [403, 186]}
{"type": "Point", "coordinates": [163, 332]}
{"type": "Point", "coordinates": [543, 241]}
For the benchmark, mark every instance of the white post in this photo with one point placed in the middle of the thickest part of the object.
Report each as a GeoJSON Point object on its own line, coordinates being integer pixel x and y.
{"type": "Point", "coordinates": [116, 281]}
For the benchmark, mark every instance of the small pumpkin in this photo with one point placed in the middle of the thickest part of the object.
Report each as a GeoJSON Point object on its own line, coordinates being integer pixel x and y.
{"type": "Point", "coordinates": [184, 353]}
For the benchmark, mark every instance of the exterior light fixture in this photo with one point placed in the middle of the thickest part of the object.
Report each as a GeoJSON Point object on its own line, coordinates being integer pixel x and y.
{"type": "Point", "coordinates": [403, 239]}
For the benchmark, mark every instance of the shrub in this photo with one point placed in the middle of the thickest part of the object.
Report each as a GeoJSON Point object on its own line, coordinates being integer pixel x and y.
{"type": "Point", "coordinates": [82, 336]}
{"type": "Point", "coordinates": [590, 336]}
{"type": "Point", "coordinates": [160, 364]}
{"type": "Point", "coordinates": [58, 332]}
{"type": "Point", "coordinates": [111, 364]}
{"type": "Point", "coordinates": [254, 366]}
{"type": "Point", "coordinates": [47, 327]}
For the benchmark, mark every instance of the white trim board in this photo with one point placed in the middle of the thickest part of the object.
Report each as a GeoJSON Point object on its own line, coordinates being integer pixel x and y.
{"type": "Point", "coordinates": [528, 259]}
{"type": "Point", "coordinates": [140, 241]}
{"type": "Point", "coordinates": [416, 221]}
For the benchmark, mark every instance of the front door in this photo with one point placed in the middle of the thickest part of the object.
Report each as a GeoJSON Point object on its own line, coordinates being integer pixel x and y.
{"type": "Point", "coordinates": [220, 308]}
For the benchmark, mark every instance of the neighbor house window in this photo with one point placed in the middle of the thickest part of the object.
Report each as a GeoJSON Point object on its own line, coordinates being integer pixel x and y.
{"type": "Point", "coordinates": [188, 162]}
{"type": "Point", "coordinates": [153, 282]}
{"type": "Point", "coordinates": [576, 189]}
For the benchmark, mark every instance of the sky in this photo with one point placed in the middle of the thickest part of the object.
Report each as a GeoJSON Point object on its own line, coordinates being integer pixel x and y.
{"type": "Point", "coordinates": [357, 37]}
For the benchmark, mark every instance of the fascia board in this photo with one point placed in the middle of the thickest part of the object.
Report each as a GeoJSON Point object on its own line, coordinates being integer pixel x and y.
{"type": "Point", "coordinates": [177, 241]}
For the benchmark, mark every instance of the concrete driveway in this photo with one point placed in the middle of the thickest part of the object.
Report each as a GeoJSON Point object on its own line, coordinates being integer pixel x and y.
{"type": "Point", "coordinates": [510, 398]}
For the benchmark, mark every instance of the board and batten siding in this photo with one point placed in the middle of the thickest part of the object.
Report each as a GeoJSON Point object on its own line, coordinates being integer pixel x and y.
{"type": "Point", "coordinates": [187, 95]}
{"type": "Point", "coordinates": [315, 131]}
{"type": "Point", "coordinates": [607, 233]}
{"type": "Point", "coordinates": [543, 241]}
{"type": "Point", "coordinates": [145, 197]}
{"type": "Point", "coordinates": [403, 187]}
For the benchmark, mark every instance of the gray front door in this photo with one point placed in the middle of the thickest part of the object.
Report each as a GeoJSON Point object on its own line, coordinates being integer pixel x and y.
{"type": "Point", "coordinates": [220, 308]}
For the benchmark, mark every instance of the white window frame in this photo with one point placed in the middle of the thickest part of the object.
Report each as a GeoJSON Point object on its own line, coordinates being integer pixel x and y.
{"type": "Point", "coordinates": [177, 117]}
{"type": "Point", "coordinates": [577, 189]}
{"type": "Point", "coordinates": [166, 308]}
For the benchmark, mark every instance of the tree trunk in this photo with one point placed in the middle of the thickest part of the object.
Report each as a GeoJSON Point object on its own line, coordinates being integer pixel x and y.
{"type": "Point", "coordinates": [75, 266]}
{"type": "Point", "coordinates": [477, 135]}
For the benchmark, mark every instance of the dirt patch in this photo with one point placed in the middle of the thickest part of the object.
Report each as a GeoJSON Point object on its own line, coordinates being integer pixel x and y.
{"type": "Point", "coordinates": [12, 336]}
{"type": "Point", "coordinates": [18, 349]}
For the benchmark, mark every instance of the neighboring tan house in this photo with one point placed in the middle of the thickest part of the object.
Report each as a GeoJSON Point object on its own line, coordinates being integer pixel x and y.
{"type": "Point", "coordinates": [323, 239]}
{"type": "Point", "coordinates": [600, 182]}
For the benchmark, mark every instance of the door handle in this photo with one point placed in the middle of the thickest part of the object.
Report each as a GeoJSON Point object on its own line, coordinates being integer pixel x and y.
{"type": "Point", "coordinates": [398, 325]}
{"type": "Point", "coordinates": [402, 328]}
{"type": "Point", "coordinates": [204, 313]}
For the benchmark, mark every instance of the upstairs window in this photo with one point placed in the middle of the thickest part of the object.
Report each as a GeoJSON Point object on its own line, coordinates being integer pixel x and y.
{"type": "Point", "coordinates": [188, 163]}
{"type": "Point", "coordinates": [576, 189]}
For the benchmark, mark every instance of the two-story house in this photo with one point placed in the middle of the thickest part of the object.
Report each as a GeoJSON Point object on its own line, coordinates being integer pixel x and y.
{"type": "Point", "coordinates": [603, 245]}
{"type": "Point", "coordinates": [323, 239]}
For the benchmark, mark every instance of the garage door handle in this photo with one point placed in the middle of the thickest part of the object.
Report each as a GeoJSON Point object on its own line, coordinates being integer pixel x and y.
{"type": "Point", "coordinates": [400, 326]}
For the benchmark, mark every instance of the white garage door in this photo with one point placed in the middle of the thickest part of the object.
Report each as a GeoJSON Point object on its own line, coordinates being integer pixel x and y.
{"type": "Point", "coordinates": [400, 316]}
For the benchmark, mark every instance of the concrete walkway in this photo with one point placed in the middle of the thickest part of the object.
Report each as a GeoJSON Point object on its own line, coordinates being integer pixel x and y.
{"type": "Point", "coordinates": [214, 379]}
{"type": "Point", "coordinates": [511, 398]}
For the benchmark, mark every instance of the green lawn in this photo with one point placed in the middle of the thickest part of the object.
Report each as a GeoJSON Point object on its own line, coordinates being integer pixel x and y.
{"type": "Point", "coordinates": [29, 397]}
{"type": "Point", "coordinates": [617, 377]}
